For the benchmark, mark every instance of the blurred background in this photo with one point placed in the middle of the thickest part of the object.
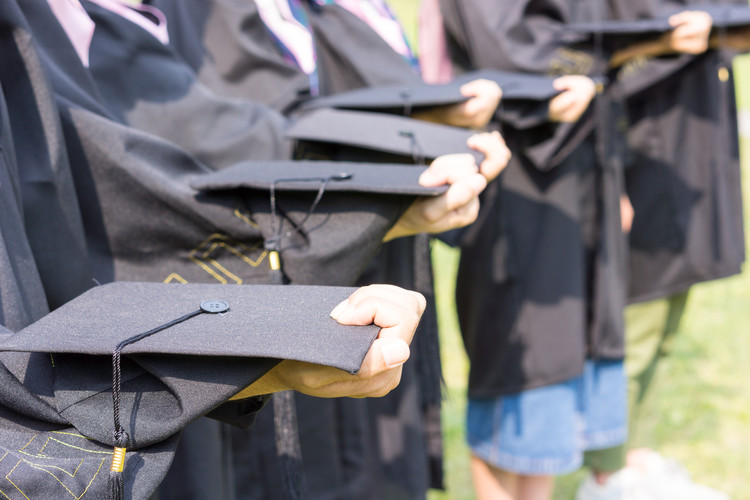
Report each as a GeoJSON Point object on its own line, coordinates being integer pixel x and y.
{"type": "Point", "coordinates": [703, 399]}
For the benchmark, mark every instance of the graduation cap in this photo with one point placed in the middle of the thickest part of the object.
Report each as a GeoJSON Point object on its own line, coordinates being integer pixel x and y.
{"type": "Point", "coordinates": [397, 99]}
{"type": "Point", "coordinates": [201, 329]}
{"type": "Point", "coordinates": [306, 175]}
{"type": "Point", "coordinates": [619, 33]}
{"type": "Point", "coordinates": [319, 177]}
{"type": "Point", "coordinates": [376, 137]}
{"type": "Point", "coordinates": [403, 99]}
{"type": "Point", "coordinates": [516, 86]}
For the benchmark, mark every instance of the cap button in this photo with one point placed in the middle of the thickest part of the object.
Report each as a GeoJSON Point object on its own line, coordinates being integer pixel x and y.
{"type": "Point", "coordinates": [214, 306]}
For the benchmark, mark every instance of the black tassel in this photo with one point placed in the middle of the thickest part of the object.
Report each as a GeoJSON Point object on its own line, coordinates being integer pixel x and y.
{"type": "Point", "coordinates": [121, 438]}
{"type": "Point", "coordinates": [116, 482]}
{"type": "Point", "coordinates": [426, 344]}
{"type": "Point", "coordinates": [288, 446]}
{"type": "Point", "coordinates": [276, 274]}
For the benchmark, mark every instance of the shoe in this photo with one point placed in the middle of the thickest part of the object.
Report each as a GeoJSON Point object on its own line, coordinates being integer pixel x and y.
{"type": "Point", "coordinates": [652, 478]}
{"type": "Point", "coordinates": [666, 480]}
{"type": "Point", "coordinates": [622, 485]}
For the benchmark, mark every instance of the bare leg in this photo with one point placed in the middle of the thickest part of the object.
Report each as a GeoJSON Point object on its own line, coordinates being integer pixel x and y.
{"type": "Point", "coordinates": [535, 487]}
{"type": "Point", "coordinates": [602, 477]}
{"type": "Point", "coordinates": [491, 483]}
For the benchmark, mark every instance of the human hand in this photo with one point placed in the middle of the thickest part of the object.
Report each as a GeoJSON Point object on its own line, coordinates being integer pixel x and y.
{"type": "Point", "coordinates": [395, 310]}
{"type": "Point", "coordinates": [691, 32]}
{"type": "Point", "coordinates": [570, 104]}
{"type": "Point", "coordinates": [457, 207]}
{"type": "Point", "coordinates": [496, 153]}
{"type": "Point", "coordinates": [627, 213]}
{"type": "Point", "coordinates": [484, 98]}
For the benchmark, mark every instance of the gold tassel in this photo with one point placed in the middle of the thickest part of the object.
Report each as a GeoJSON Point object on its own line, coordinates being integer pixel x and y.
{"type": "Point", "coordinates": [116, 483]}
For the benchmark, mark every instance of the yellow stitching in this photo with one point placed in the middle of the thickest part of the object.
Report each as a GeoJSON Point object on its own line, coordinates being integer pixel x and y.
{"type": "Point", "coordinates": [209, 271]}
{"type": "Point", "coordinates": [210, 250]}
{"type": "Point", "coordinates": [202, 253]}
{"type": "Point", "coordinates": [568, 61]}
{"type": "Point", "coordinates": [207, 240]}
{"type": "Point", "coordinates": [225, 271]}
{"type": "Point", "coordinates": [244, 218]}
{"type": "Point", "coordinates": [215, 241]}
{"type": "Point", "coordinates": [38, 455]}
{"type": "Point", "coordinates": [74, 435]}
{"type": "Point", "coordinates": [43, 469]}
{"type": "Point", "coordinates": [70, 434]}
{"type": "Point", "coordinates": [30, 441]}
{"type": "Point", "coordinates": [232, 246]}
{"type": "Point", "coordinates": [175, 277]}
{"type": "Point", "coordinates": [240, 255]}
{"type": "Point", "coordinates": [14, 484]}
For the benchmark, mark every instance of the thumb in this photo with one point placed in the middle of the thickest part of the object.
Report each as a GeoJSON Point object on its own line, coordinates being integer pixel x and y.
{"type": "Point", "coordinates": [387, 353]}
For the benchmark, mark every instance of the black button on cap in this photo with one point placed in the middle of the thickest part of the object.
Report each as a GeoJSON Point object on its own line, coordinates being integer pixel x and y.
{"type": "Point", "coordinates": [214, 306]}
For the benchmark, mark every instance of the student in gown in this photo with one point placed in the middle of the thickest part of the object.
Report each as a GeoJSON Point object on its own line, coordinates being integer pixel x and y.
{"type": "Point", "coordinates": [242, 49]}
{"type": "Point", "coordinates": [540, 286]}
{"type": "Point", "coordinates": [48, 447]}
{"type": "Point", "coordinates": [684, 188]}
{"type": "Point", "coordinates": [140, 106]}
{"type": "Point", "coordinates": [128, 185]}
{"type": "Point", "coordinates": [524, 334]}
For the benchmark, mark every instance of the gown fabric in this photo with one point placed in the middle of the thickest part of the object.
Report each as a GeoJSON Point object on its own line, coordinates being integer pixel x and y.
{"type": "Point", "coordinates": [384, 448]}
{"type": "Point", "coordinates": [91, 199]}
{"type": "Point", "coordinates": [541, 282]}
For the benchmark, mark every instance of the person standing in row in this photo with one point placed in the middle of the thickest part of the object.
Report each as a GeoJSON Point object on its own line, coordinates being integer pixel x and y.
{"type": "Point", "coordinates": [685, 227]}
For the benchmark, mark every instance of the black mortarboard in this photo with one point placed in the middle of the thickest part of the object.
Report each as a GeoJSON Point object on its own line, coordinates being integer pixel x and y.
{"type": "Point", "coordinates": [398, 99]}
{"type": "Point", "coordinates": [307, 175]}
{"type": "Point", "coordinates": [403, 99]}
{"type": "Point", "coordinates": [290, 322]}
{"type": "Point", "coordinates": [616, 33]}
{"type": "Point", "coordinates": [190, 340]}
{"type": "Point", "coordinates": [362, 136]}
{"type": "Point", "coordinates": [298, 177]}
{"type": "Point", "coordinates": [516, 85]}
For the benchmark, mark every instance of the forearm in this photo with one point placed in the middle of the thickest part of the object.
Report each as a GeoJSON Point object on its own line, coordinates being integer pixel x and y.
{"type": "Point", "coordinates": [651, 48]}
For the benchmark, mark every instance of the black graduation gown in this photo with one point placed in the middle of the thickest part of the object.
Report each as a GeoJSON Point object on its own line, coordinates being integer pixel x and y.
{"type": "Point", "coordinates": [230, 49]}
{"type": "Point", "coordinates": [45, 455]}
{"type": "Point", "coordinates": [380, 448]}
{"type": "Point", "coordinates": [141, 219]}
{"type": "Point", "coordinates": [684, 182]}
{"type": "Point", "coordinates": [124, 177]}
{"type": "Point", "coordinates": [541, 279]}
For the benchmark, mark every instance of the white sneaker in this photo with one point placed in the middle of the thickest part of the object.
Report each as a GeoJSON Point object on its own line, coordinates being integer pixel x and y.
{"type": "Point", "coordinates": [623, 485]}
{"type": "Point", "coordinates": [656, 478]}
{"type": "Point", "coordinates": [666, 480]}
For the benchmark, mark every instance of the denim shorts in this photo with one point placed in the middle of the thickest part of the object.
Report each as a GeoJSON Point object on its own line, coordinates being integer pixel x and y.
{"type": "Point", "coordinates": [545, 431]}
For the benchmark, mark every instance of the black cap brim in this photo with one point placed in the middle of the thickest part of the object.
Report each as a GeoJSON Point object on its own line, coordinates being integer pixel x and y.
{"type": "Point", "coordinates": [378, 132]}
{"type": "Point", "coordinates": [263, 321]}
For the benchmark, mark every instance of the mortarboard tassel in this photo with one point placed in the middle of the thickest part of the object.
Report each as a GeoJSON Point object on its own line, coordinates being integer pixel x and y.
{"type": "Point", "coordinates": [405, 95]}
{"type": "Point", "coordinates": [121, 438]}
{"type": "Point", "coordinates": [116, 482]}
{"type": "Point", "coordinates": [273, 244]}
{"type": "Point", "coordinates": [274, 261]}
{"type": "Point", "coordinates": [288, 446]}
{"type": "Point", "coordinates": [417, 152]}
